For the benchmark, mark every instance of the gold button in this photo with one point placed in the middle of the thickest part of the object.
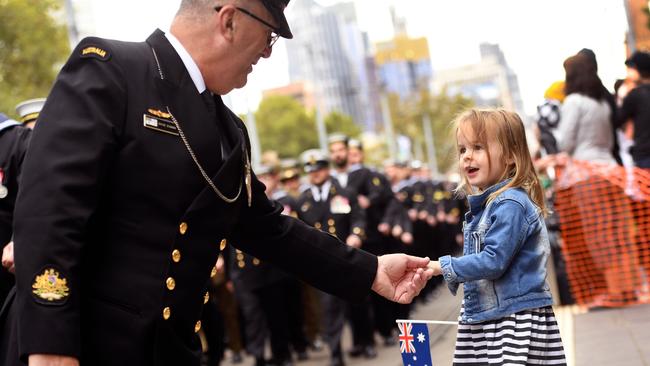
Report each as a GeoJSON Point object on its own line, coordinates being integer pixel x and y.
{"type": "Point", "coordinates": [332, 230]}
{"type": "Point", "coordinates": [256, 262]}
{"type": "Point", "coordinates": [171, 284]}
{"type": "Point", "coordinates": [214, 271]}
{"type": "Point", "coordinates": [240, 257]}
{"type": "Point", "coordinates": [182, 228]}
{"type": "Point", "coordinates": [356, 231]}
{"type": "Point", "coordinates": [241, 264]}
{"type": "Point", "coordinates": [223, 244]}
{"type": "Point", "coordinates": [330, 222]}
{"type": "Point", "coordinates": [317, 225]}
{"type": "Point", "coordinates": [176, 255]}
{"type": "Point", "coordinates": [206, 298]}
{"type": "Point", "coordinates": [167, 312]}
{"type": "Point", "coordinates": [197, 327]}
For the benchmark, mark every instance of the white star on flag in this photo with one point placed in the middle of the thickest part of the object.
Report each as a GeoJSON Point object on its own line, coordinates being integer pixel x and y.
{"type": "Point", "coordinates": [421, 338]}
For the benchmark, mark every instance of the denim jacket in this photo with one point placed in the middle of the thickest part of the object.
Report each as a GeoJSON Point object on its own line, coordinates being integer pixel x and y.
{"type": "Point", "coordinates": [503, 267]}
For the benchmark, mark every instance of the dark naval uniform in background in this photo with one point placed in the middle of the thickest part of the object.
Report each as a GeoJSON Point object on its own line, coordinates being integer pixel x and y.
{"type": "Point", "coordinates": [334, 210]}
{"type": "Point", "coordinates": [116, 231]}
{"type": "Point", "coordinates": [270, 300]}
{"type": "Point", "coordinates": [14, 140]}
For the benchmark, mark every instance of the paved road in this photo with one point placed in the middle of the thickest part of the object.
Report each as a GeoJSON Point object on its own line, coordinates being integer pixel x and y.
{"type": "Point", "coordinates": [603, 337]}
{"type": "Point", "coordinates": [442, 306]}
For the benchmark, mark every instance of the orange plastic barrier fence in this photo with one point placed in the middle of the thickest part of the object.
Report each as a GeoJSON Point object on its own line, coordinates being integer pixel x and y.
{"type": "Point", "coordinates": [604, 215]}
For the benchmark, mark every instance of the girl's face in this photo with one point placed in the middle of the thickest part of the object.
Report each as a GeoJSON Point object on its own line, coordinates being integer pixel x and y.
{"type": "Point", "coordinates": [482, 171]}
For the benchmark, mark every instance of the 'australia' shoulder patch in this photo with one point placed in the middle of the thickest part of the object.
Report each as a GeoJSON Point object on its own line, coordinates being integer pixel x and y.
{"type": "Point", "coordinates": [95, 52]}
{"type": "Point", "coordinates": [50, 288]}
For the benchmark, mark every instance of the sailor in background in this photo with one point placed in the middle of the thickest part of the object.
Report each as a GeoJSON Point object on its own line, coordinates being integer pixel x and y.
{"type": "Point", "coordinates": [14, 140]}
{"type": "Point", "coordinates": [327, 206]}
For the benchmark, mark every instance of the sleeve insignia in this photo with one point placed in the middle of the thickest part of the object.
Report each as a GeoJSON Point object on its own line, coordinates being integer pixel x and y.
{"type": "Point", "coordinates": [95, 52]}
{"type": "Point", "coordinates": [419, 198]}
{"type": "Point", "coordinates": [49, 288]}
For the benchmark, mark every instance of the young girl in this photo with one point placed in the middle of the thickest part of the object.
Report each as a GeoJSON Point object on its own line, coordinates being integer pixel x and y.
{"type": "Point", "coordinates": [506, 316]}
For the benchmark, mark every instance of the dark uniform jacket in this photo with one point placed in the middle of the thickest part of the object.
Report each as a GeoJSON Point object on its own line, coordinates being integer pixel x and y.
{"type": "Point", "coordinates": [376, 188]}
{"type": "Point", "coordinates": [249, 273]}
{"type": "Point", "coordinates": [117, 233]}
{"type": "Point", "coordinates": [338, 215]}
{"type": "Point", "coordinates": [13, 145]}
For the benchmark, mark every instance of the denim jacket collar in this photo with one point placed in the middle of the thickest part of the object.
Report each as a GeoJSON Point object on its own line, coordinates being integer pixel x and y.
{"type": "Point", "coordinates": [477, 201]}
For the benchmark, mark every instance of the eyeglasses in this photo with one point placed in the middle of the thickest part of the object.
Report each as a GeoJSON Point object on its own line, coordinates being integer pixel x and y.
{"type": "Point", "coordinates": [273, 36]}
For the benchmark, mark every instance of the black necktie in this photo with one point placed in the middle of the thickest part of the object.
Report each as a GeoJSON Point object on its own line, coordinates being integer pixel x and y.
{"type": "Point", "coordinates": [211, 105]}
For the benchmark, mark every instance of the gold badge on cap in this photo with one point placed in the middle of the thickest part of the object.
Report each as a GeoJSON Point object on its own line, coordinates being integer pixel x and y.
{"type": "Point", "coordinates": [50, 287]}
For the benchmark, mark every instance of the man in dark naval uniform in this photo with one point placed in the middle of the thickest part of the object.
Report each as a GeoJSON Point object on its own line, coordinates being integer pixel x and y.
{"type": "Point", "coordinates": [329, 207]}
{"type": "Point", "coordinates": [136, 174]}
{"type": "Point", "coordinates": [268, 297]}
{"type": "Point", "coordinates": [14, 140]}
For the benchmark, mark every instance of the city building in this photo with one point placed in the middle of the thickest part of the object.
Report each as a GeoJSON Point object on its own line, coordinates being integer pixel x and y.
{"type": "Point", "coordinates": [490, 83]}
{"type": "Point", "coordinates": [403, 63]}
{"type": "Point", "coordinates": [330, 53]}
{"type": "Point", "coordinates": [299, 91]}
{"type": "Point", "coordinates": [80, 17]}
{"type": "Point", "coordinates": [638, 17]}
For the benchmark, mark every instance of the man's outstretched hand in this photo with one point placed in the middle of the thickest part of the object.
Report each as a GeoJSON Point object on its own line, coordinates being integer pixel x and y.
{"type": "Point", "coordinates": [401, 277]}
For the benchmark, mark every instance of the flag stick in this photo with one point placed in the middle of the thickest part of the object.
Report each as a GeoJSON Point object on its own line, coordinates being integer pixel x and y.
{"type": "Point", "coordinates": [443, 322]}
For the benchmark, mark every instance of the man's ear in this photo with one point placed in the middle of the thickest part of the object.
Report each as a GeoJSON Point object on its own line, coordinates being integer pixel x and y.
{"type": "Point", "coordinates": [226, 25]}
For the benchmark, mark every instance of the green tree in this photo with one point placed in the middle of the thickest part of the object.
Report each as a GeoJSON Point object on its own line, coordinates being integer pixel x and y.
{"type": "Point", "coordinates": [407, 118]}
{"type": "Point", "coordinates": [33, 45]}
{"type": "Point", "coordinates": [284, 126]}
{"type": "Point", "coordinates": [341, 123]}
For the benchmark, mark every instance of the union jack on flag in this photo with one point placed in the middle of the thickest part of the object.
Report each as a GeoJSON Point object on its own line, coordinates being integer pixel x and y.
{"type": "Point", "coordinates": [414, 344]}
{"type": "Point", "coordinates": [406, 338]}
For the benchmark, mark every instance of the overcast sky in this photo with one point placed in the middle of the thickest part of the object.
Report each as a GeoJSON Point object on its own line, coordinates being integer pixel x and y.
{"type": "Point", "coordinates": [535, 36]}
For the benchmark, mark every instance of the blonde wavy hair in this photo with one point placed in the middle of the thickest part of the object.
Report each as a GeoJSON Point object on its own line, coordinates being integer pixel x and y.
{"type": "Point", "coordinates": [507, 130]}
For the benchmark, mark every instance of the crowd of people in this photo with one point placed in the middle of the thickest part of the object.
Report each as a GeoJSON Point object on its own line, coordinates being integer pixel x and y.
{"type": "Point", "coordinates": [402, 211]}
{"type": "Point", "coordinates": [137, 229]}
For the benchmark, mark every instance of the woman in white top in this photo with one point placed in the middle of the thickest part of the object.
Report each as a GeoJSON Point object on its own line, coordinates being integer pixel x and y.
{"type": "Point", "coordinates": [601, 243]}
{"type": "Point", "coordinates": [585, 130]}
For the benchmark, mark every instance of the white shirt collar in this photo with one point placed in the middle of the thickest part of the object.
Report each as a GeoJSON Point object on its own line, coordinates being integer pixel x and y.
{"type": "Point", "coordinates": [321, 193]}
{"type": "Point", "coordinates": [189, 63]}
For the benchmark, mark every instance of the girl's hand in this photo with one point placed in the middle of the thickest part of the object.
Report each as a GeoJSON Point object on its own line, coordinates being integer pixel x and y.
{"type": "Point", "coordinates": [435, 267]}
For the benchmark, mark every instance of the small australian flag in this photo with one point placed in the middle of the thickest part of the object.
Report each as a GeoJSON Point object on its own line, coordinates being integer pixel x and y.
{"type": "Point", "coordinates": [414, 344]}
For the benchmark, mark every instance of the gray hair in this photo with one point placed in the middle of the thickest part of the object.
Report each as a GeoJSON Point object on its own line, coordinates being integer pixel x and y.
{"type": "Point", "coordinates": [198, 8]}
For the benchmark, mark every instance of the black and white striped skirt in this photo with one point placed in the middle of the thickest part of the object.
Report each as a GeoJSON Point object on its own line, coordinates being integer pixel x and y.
{"type": "Point", "coordinates": [529, 337]}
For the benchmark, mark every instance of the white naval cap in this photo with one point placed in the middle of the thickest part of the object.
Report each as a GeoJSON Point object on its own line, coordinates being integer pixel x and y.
{"type": "Point", "coordinates": [29, 109]}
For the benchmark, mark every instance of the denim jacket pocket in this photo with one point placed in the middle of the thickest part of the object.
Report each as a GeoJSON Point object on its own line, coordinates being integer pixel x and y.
{"type": "Point", "coordinates": [487, 294]}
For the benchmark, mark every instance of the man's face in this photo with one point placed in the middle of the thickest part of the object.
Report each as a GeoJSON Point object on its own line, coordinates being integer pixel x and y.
{"type": "Point", "coordinates": [249, 43]}
{"type": "Point", "coordinates": [291, 184]}
{"type": "Point", "coordinates": [339, 154]}
{"type": "Point", "coordinates": [391, 172]}
{"type": "Point", "coordinates": [270, 181]}
{"type": "Point", "coordinates": [318, 177]}
{"type": "Point", "coordinates": [355, 156]}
